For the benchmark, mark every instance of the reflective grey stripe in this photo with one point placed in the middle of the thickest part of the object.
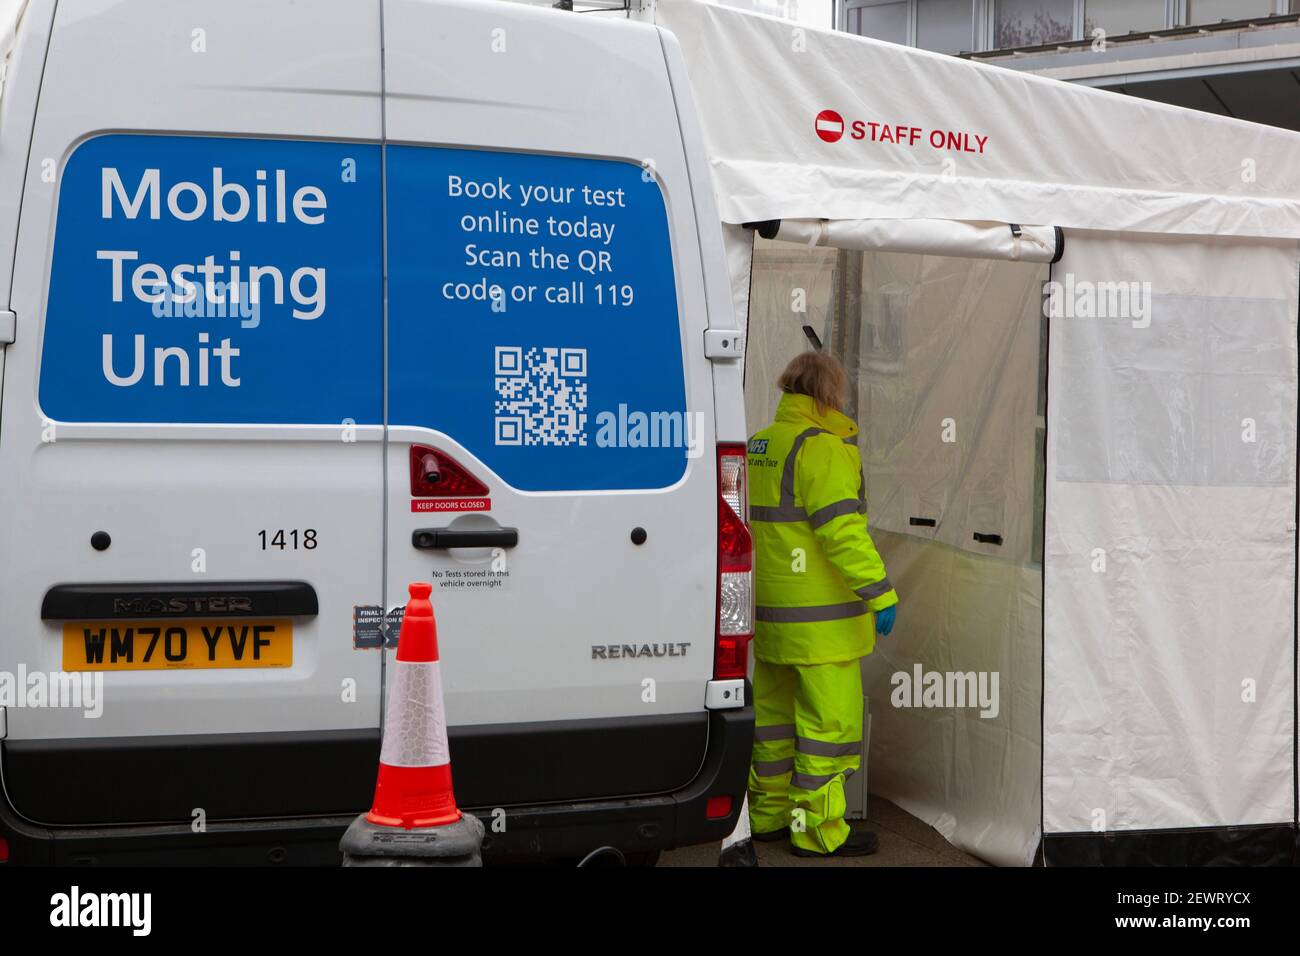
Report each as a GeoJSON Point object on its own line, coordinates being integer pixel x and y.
{"type": "Point", "coordinates": [774, 732]}
{"type": "Point", "coordinates": [879, 589]}
{"type": "Point", "coordinates": [820, 748]}
{"type": "Point", "coordinates": [821, 516]}
{"type": "Point", "coordinates": [810, 781]}
{"type": "Point", "coordinates": [786, 511]}
{"type": "Point", "coordinates": [787, 471]}
{"type": "Point", "coordinates": [773, 768]}
{"type": "Point", "coordinates": [808, 615]}
{"type": "Point", "coordinates": [777, 513]}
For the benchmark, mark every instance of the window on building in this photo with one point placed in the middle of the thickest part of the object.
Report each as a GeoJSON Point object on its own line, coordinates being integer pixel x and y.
{"type": "Point", "coordinates": [945, 26]}
{"type": "Point", "coordinates": [882, 21]}
{"type": "Point", "coordinates": [1212, 11]}
{"type": "Point", "coordinates": [1118, 17]}
{"type": "Point", "coordinates": [1018, 23]}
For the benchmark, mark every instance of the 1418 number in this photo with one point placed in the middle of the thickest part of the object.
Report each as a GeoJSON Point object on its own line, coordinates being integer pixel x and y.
{"type": "Point", "coordinates": [292, 540]}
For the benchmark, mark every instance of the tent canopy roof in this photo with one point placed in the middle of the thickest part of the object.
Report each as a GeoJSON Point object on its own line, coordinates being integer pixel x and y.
{"type": "Point", "coordinates": [927, 136]}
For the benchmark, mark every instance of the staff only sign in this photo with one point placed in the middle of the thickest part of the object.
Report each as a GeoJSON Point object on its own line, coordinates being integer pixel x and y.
{"type": "Point", "coordinates": [831, 127]}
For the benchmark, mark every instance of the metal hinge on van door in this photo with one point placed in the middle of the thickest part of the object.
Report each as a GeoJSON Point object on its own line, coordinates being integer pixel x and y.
{"type": "Point", "coordinates": [720, 344]}
{"type": "Point", "coordinates": [8, 326]}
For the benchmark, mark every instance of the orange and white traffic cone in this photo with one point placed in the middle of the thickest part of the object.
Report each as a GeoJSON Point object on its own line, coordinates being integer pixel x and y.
{"type": "Point", "coordinates": [414, 790]}
{"type": "Point", "coordinates": [414, 786]}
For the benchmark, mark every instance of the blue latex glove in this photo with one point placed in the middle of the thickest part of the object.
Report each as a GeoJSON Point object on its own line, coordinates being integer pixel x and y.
{"type": "Point", "coordinates": [885, 620]}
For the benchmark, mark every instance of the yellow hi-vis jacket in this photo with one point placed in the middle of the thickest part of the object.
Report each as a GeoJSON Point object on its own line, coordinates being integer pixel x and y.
{"type": "Point", "coordinates": [817, 572]}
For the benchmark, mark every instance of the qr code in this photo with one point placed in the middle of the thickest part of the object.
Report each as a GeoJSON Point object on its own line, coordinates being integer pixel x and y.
{"type": "Point", "coordinates": [541, 396]}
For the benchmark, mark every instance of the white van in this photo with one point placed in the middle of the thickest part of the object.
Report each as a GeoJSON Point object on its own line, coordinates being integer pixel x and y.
{"type": "Point", "coordinates": [304, 302]}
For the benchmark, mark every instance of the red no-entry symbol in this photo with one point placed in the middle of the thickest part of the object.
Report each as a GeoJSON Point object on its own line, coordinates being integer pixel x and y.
{"type": "Point", "coordinates": [830, 126]}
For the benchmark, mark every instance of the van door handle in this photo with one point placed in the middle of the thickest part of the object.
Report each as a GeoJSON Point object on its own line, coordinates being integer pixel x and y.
{"type": "Point", "coordinates": [433, 539]}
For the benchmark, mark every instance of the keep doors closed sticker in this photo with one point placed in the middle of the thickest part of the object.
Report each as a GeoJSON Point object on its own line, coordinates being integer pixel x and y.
{"type": "Point", "coordinates": [533, 315]}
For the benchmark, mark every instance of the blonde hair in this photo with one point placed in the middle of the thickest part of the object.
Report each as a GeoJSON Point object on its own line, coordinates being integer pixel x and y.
{"type": "Point", "coordinates": [819, 376]}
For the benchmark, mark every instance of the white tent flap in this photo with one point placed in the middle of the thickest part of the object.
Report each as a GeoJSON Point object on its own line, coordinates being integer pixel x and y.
{"type": "Point", "coordinates": [1169, 689]}
{"type": "Point", "coordinates": [944, 354]}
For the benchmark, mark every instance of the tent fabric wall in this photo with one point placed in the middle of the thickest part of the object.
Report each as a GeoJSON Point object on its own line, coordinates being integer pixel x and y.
{"type": "Point", "coordinates": [949, 405]}
{"type": "Point", "coordinates": [974, 779]}
{"type": "Point", "coordinates": [739, 245]}
{"type": "Point", "coordinates": [792, 286]}
{"type": "Point", "coordinates": [1169, 687]}
{"type": "Point", "coordinates": [947, 362]}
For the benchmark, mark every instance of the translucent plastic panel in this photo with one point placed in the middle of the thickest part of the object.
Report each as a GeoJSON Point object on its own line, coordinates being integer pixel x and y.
{"type": "Point", "coordinates": [1197, 396]}
{"type": "Point", "coordinates": [947, 398]}
{"type": "Point", "coordinates": [791, 287]}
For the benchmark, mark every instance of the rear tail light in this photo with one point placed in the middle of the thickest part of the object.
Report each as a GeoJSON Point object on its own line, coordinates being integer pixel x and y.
{"type": "Point", "coordinates": [735, 565]}
{"type": "Point", "coordinates": [716, 808]}
{"type": "Point", "coordinates": [435, 474]}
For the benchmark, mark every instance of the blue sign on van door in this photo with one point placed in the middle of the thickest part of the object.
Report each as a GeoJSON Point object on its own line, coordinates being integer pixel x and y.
{"type": "Point", "coordinates": [533, 316]}
{"type": "Point", "coordinates": [209, 279]}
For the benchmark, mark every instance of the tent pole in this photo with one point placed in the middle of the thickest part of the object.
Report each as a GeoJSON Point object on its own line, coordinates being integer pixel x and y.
{"type": "Point", "coordinates": [846, 319]}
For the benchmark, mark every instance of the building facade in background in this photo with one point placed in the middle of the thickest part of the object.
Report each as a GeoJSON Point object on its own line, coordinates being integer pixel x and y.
{"type": "Point", "coordinates": [1237, 58]}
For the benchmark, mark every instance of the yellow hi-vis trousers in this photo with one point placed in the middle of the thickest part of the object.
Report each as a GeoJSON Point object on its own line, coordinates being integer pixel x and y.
{"type": "Point", "coordinates": [807, 740]}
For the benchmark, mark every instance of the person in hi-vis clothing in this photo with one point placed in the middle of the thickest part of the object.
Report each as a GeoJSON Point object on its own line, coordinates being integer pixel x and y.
{"type": "Point", "coordinates": [822, 595]}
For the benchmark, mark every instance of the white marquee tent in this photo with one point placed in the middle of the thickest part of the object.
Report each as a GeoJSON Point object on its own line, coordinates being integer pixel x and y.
{"type": "Point", "coordinates": [1097, 508]}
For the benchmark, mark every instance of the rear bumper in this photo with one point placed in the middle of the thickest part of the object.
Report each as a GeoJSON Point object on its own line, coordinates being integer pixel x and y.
{"type": "Point", "coordinates": [550, 831]}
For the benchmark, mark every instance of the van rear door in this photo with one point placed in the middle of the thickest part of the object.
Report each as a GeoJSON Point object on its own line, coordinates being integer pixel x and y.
{"type": "Point", "coordinates": [193, 480]}
{"type": "Point", "coordinates": [551, 456]}
{"type": "Point", "coordinates": [20, 70]}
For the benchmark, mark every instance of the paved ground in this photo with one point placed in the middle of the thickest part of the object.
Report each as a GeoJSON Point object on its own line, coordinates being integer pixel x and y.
{"type": "Point", "coordinates": [904, 841]}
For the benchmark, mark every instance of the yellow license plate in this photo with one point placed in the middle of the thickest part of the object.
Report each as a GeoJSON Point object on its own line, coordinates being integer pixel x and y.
{"type": "Point", "coordinates": [176, 645]}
